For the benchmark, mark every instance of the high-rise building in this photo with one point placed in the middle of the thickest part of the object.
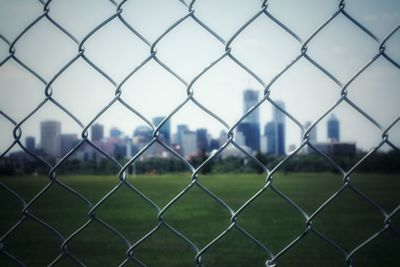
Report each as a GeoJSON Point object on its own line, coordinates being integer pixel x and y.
{"type": "Point", "coordinates": [30, 143]}
{"type": "Point", "coordinates": [67, 142]}
{"type": "Point", "coordinates": [333, 129]}
{"type": "Point", "coordinates": [202, 140]}
{"type": "Point", "coordinates": [275, 131]}
{"type": "Point", "coordinates": [312, 134]}
{"type": "Point", "coordinates": [115, 132]}
{"type": "Point", "coordinates": [270, 133]}
{"type": "Point", "coordinates": [50, 137]}
{"type": "Point", "coordinates": [251, 134]}
{"type": "Point", "coordinates": [165, 130]}
{"type": "Point", "coordinates": [181, 128]}
{"type": "Point", "coordinates": [250, 126]}
{"type": "Point", "coordinates": [250, 98]}
{"type": "Point", "coordinates": [279, 120]}
{"type": "Point", "coordinates": [97, 132]}
{"type": "Point", "coordinates": [189, 144]}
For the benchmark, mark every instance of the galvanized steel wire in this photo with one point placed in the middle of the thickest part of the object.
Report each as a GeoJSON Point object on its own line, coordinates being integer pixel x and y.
{"type": "Point", "coordinates": [270, 258]}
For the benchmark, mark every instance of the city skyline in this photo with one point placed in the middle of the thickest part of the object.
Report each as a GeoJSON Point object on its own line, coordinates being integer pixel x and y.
{"type": "Point", "coordinates": [185, 141]}
{"type": "Point", "coordinates": [187, 50]}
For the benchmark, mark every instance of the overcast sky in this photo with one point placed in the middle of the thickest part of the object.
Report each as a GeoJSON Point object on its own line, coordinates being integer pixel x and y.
{"type": "Point", "coordinates": [264, 47]}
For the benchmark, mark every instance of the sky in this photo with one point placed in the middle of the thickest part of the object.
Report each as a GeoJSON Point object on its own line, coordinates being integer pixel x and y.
{"type": "Point", "coordinates": [263, 47]}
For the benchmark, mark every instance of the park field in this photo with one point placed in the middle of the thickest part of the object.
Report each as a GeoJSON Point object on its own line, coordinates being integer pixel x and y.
{"type": "Point", "coordinates": [349, 220]}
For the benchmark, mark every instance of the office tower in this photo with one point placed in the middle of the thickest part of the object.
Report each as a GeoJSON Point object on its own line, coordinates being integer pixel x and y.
{"type": "Point", "coordinates": [142, 135]}
{"type": "Point", "coordinates": [115, 132]}
{"type": "Point", "coordinates": [270, 133]}
{"type": "Point", "coordinates": [30, 143]}
{"type": "Point", "coordinates": [97, 132]}
{"type": "Point", "coordinates": [250, 98]}
{"type": "Point", "coordinates": [275, 131]}
{"type": "Point", "coordinates": [251, 133]}
{"type": "Point", "coordinates": [202, 140]}
{"type": "Point", "coordinates": [67, 142]}
{"type": "Point", "coordinates": [181, 128]}
{"type": "Point", "coordinates": [165, 130]}
{"type": "Point", "coordinates": [50, 137]}
{"type": "Point", "coordinates": [214, 144]}
{"type": "Point", "coordinates": [250, 126]}
{"type": "Point", "coordinates": [312, 134]}
{"type": "Point", "coordinates": [189, 144]}
{"type": "Point", "coordinates": [333, 129]}
{"type": "Point", "coordinates": [279, 120]}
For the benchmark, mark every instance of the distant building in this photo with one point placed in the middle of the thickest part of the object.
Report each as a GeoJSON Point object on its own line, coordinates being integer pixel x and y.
{"type": "Point", "coordinates": [165, 131]}
{"type": "Point", "coordinates": [50, 137]}
{"type": "Point", "coordinates": [214, 144]}
{"type": "Point", "coordinates": [202, 140]}
{"type": "Point", "coordinates": [270, 134]}
{"type": "Point", "coordinates": [142, 135]}
{"type": "Point", "coordinates": [181, 128]}
{"type": "Point", "coordinates": [67, 142]}
{"type": "Point", "coordinates": [312, 134]}
{"type": "Point", "coordinates": [333, 129]}
{"type": "Point", "coordinates": [250, 99]}
{"type": "Point", "coordinates": [115, 132]}
{"type": "Point", "coordinates": [275, 131]}
{"type": "Point", "coordinates": [189, 144]}
{"type": "Point", "coordinates": [251, 133]}
{"type": "Point", "coordinates": [97, 132]}
{"type": "Point", "coordinates": [250, 126]}
{"type": "Point", "coordinates": [30, 143]}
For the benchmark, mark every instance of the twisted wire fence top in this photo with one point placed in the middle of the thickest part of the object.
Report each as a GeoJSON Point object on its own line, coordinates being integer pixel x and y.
{"type": "Point", "coordinates": [195, 181]}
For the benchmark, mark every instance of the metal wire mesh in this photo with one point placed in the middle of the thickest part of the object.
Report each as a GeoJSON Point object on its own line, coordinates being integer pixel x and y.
{"type": "Point", "coordinates": [271, 259]}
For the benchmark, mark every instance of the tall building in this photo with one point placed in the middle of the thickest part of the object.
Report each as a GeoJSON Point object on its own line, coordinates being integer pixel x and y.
{"type": "Point", "coordinates": [250, 126]}
{"type": "Point", "coordinates": [312, 134]}
{"type": "Point", "coordinates": [333, 129]}
{"type": "Point", "coordinates": [270, 133]}
{"type": "Point", "coordinates": [181, 128]}
{"type": "Point", "coordinates": [67, 142]}
{"type": "Point", "coordinates": [279, 119]}
{"type": "Point", "coordinates": [250, 98]}
{"type": "Point", "coordinates": [275, 131]}
{"type": "Point", "coordinates": [189, 144]}
{"type": "Point", "coordinates": [165, 130]}
{"type": "Point", "coordinates": [50, 137]}
{"type": "Point", "coordinates": [202, 140]}
{"type": "Point", "coordinates": [251, 134]}
{"type": "Point", "coordinates": [97, 132]}
{"type": "Point", "coordinates": [115, 132]}
{"type": "Point", "coordinates": [30, 143]}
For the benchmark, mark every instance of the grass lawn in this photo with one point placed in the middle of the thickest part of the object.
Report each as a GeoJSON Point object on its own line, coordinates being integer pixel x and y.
{"type": "Point", "coordinates": [349, 220]}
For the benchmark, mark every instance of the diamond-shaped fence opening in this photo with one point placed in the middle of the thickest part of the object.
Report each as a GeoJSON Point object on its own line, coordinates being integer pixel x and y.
{"type": "Point", "coordinates": [222, 190]}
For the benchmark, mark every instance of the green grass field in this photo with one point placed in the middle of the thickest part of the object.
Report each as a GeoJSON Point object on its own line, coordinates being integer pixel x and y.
{"type": "Point", "coordinates": [349, 220]}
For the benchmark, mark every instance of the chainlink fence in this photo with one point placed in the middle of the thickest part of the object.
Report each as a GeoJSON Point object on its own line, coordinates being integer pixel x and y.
{"type": "Point", "coordinates": [271, 259]}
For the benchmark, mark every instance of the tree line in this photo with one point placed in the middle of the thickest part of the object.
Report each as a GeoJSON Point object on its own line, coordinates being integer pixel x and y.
{"type": "Point", "coordinates": [388, 162]}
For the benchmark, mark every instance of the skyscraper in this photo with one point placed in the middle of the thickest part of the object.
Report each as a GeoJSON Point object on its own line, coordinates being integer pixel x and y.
{"type": "Point", "coordinates": [250, 126]}
{"type": "Point", "coordinates": [250, 98]}
{"type": "Point", "coordinates": [50, 137]}
{"type": "Point", "coordinates": [313, 133]}
{"type": "Point", "coordinates": [165, 130]}
{"type": "Point", "coordinates": [67, 142]}
{"type": "Point", "coordinates": [279, 120]}
{"type": "Point", "coordinates": [115, 132]}
{"type": "Point", "coordinates": [202, 140]}
{"type": "Point", "coordinates": [30, 143]}
{"type": "Point", "coordinates": [181, 128]}
{"type": "Point", "coordinates": [189, 144]}
{"type": "Point", "coordinates": [333, 129]}
{"type": "Point", "coordinates": [97, 132]}
{"type": "Point", "coordinates": [275, 131]}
